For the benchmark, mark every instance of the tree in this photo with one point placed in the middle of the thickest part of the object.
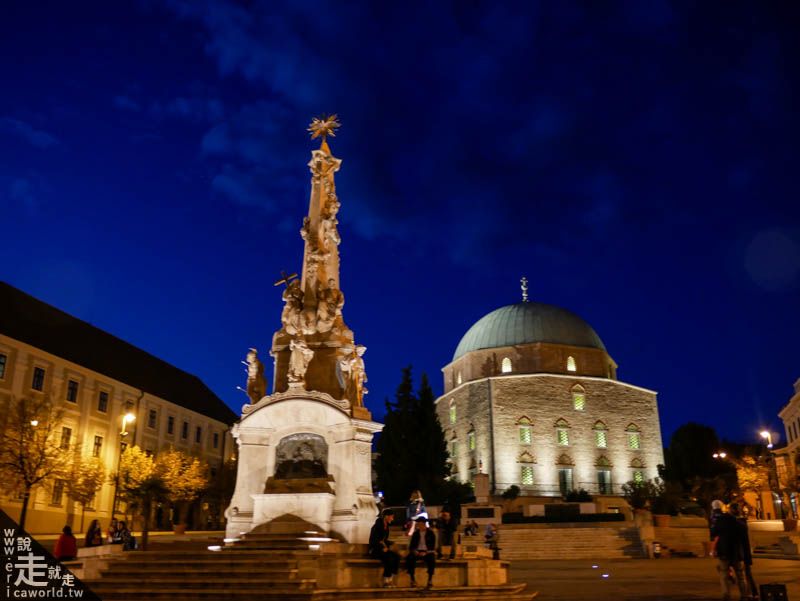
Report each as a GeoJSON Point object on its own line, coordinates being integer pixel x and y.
{"type": "Point", "coordinates": [691, 454]}
{"type": "Point", "coordinates": [31, 451]}
{"type": "Point", "coordinates": [140, 484]}
{"type": "Point", "coordinates": [219, 491]}
{"type": "Point", "coordinates": [752, 474]}
{"type": "Point", "coordinates": [86, 477]}
{"type": "Point", "coordinates": [412, 451]}
{"type": "Point", "coordinates": [184, 477]}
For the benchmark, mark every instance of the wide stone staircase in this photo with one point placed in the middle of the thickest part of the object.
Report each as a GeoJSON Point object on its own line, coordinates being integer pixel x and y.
{"type": "Point", "coordinates": [271, 567]}
{"type": "Point", "coordinates": [527, 541]}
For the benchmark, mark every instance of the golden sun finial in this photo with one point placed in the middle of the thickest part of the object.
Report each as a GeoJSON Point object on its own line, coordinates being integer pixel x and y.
{"type": "Point", "coordinates": [322, 127]}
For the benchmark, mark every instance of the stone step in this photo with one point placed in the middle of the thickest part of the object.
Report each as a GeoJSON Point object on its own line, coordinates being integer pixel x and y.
{"type": "Point", "coordinates": [122, 571]}
{"type": "Point", "coordinates": [200, 582]}
{"type": "Point", "coordinates": [134, 594]}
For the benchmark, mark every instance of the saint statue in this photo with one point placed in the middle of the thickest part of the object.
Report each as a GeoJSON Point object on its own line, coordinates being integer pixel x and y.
{"type": "Point", "coordinates": [352, 374]}
{"type": "Point", "coordinates": [299, 359]}
{"type": "Point", "coordinates": [256, 383]}
{"type": "Point", "coordinates": [329, 307]}
{"type": "Point", "coordinates": [291, 317]}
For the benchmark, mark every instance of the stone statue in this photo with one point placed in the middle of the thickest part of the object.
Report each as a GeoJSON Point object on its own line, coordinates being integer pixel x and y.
{"type": "Point", "coordinates": [256, 383]}
{"type": "Point", "coordinates": [292, 315]}
{"type": "Point", "coordinates": [329, 307]}
{"type": "Point", "coordinates": [299, 359]}
{"type": "Point", "coordinates": [355, 375]}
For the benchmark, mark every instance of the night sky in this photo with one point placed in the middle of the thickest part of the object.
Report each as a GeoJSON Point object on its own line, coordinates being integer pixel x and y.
{"type": "Point", "coordinates": [637, 161]}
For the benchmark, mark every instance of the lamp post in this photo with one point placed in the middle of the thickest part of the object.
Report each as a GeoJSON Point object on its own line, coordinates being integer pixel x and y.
{"type": "Point", "coordinates": [128, 418]}
{"type": "Point", "coordinates": [766, 435]}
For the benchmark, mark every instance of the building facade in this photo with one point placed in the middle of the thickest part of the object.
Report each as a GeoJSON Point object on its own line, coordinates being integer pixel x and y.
{"type": "Point", "coordinates": [96, 378]}
{"type": "Point", "coordinates": [532, 399]}
{"type": "Point", "coordinates": [787, 458]}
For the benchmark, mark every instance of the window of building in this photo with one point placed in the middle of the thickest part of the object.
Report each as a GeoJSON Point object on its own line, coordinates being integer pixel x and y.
{"type": "Point", "coordinates": [578, 398]}
{"type": "Point", "coordinates": [3, 361]}
{"type": "Point", "coordinates": [600, 435]}
{"type": "Point", "coordinates": [215, 440]}
{"type": "Point", "coordinates": [38, 378]}
{"type": "Point", "coordinates": [152, 418]}
{"type": "Point", "coordinates": [604, 481]}
{"type": "Point", "coordinates": [458, 379]}
{"type": "Point", "coordinates": [58, 492]}
{"type": "Point", "coordinates": [565, 480]}
{"type": "Point", "coordinates": [98, 446]}
{"type": "Point", "coordinates": [453, 449]}
{"type": "Point", "coordinates": [571, 366]}
{"type": "Point", "coordinates": [198, 434]}
{"type": "Point", "coordinates": [562, 433]}
{"type": "Point", "coordinates": [102, 402]}
{"type": "Point", "coordinates": [526, 475]}
{"type": "Point", "coordinates": [634, 440]}
{"type": "Point", "coordinates": [525, 434]}
{"type": "Point", "coordinates": [638, 476]}
{"type": "Point", "coordinates": [505, 366]}
{"type": "Point", "coordinates": [185, 430]}
{"type": "Point", "coordinates": [72, 391]}
{"type": "Point", "coordinates": [66, 436]}
{"type": "Point", "coordinates": [471, 440]}
{"type": "Point", "coordinates": [452, 413]}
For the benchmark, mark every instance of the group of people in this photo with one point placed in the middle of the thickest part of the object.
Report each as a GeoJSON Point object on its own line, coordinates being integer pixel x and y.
{"type": "Point", "coordinates": [66, 548]}
{"type": "Point", "coordinates": [424, 546]}
{"type": "Point", "coordinates": [730, 542]}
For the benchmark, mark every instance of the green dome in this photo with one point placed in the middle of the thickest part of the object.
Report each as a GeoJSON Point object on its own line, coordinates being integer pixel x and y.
{"type": "Point", "coordinates": [525, 323]}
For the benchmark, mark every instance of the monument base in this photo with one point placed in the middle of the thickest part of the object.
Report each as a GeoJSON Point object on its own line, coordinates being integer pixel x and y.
{"type": "Point", "coordinates": [293, 512]}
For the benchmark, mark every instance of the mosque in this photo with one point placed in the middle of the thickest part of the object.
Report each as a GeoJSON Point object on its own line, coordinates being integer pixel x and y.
{"type": "Point", "coordinates": [531, 398]}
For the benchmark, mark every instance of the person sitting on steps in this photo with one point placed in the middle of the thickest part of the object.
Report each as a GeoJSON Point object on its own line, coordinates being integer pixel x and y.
{"type": "Point", "coordinates": [380, 547]}
{"type": "Point", "coordinates": [422, 546]}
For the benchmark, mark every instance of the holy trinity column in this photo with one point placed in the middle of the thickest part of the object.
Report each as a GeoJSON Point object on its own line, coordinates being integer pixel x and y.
{"type": "Point", "coordinates": [314, 349]}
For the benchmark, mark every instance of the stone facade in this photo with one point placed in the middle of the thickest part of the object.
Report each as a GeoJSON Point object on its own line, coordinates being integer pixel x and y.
{"type": "Point", "coordinates": [483, 418]}
{"type": "Point", "coordinates": [94, 424]}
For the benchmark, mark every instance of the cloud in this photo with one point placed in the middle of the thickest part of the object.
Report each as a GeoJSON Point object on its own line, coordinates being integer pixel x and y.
{"type": "Point", "coordinates": [35, 137]}
{"type": "Point", "coordinates": [126, 103]}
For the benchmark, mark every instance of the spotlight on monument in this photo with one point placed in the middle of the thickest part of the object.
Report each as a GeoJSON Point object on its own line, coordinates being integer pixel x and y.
{"type": "Point", "coordinates": [214, 548]}
{"type": "Point", "coordinates": [606, 575]}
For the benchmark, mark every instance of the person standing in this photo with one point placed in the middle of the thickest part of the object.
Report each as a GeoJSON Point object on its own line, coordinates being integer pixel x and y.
{"type": "Point", "coordinates": [447, 534]}
{"type": "Point", "coordinates": [727, 540]}
{"type": "Point", "coordinates": [112, 532]}
{"type": "Point", "coordinates": [422, 546]}
{"type": "Point", "coordinates": [66, 546]}
{"type": "Point", "coordinates": [380, 547]}
{"type": "Point", "coordinates": [747, 554]}
{"type": "Point", "coordinates": [94, 535]}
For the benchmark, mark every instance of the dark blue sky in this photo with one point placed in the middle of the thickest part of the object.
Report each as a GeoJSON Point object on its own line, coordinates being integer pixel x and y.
{"type": "Point", "coordinates": [637, 161]}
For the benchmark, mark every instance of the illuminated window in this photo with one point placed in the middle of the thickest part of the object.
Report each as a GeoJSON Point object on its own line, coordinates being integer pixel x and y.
{"type": "Point", "coordinates": [634, 440]}
{"type": "Point", "coordinates": [98, 446]}
{"type": "Point", "coordinates": [600, 437]}
{"type": "Point", "coordinates": [452, 413]}
{"type": "Point", "coordinates": [72, 391]}
{"type": "Point", "coordinates": [526, 475]}
{"type": "Point", "coordinates": [458, 379]}
{"type": "Point", "coordinates": [3, 361]}
{"type": "Point", "coordinates": [58, 492]}
{"type": "Point", "coordinates": [525, 436]}
{"type": "Point", "coordinates": [38, 379]}
{"type": "Point", "coordinates": [471, 440]}
{"type": "Point", "coordinates": [562, 433]}
{"type": "Point", "coordinates": [453, 448]}
{"type": "Point", "coordinates": [638, 477]}
{"type": "Point", "coordinates": [578, 398]}
{"type": "Point", "coordinates": [571, 364]}
{"type": "Point", "coordinates": [102, 402]}
{"type": "Point", "coordinates": [505, 366]}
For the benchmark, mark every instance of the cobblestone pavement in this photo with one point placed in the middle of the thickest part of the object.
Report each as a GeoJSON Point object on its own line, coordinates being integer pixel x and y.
{"type": "Point", "coordinates": [641, 579]}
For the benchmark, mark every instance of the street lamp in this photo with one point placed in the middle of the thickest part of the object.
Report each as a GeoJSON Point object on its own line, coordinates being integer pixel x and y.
{"type": "Point", "coordinates": [767, 436]}
{"type": "Point", "coordinates": [128, 418]}
{"type": "Point", "coordinates": [720, 455]}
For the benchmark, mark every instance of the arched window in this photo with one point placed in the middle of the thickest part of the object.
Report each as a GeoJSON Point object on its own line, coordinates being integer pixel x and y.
{"type": "Point", "coordinates": [571, 364]}
{"type": "Point", "coordinates": [458, 379]}
{"type": "Point", "coordinates": [600, 435]}
{"type": "Point", "coordinates": [454, 449]}
{"type": "Point", "coordinates": [562, 433]}
{"type": "Point", "coordinates": [578, 397]}
{"type": "Point", "coordinates": [452, 412]}
{"type": "Point", "coordinates": [525, 430]}
{"type": "Point", "coordinates": [604, 475]}
{"type": "Point", "coordinates": [634, 437]}
{"type": "Point", "coordinates": [505, 366]}
{"type": "Point", "coordinates": [471, 439]}
{"type": "Point", "coordinates": [526, 475]}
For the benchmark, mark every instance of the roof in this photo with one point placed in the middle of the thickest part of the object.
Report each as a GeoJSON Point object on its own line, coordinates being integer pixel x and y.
{"type": "Point", "coordinates": [29, 320]}
{"type": "Point", "coordinates": [526, 323]}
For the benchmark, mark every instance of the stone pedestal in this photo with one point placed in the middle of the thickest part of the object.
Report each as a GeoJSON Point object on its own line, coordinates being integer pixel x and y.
{"type": "Point", "coordinates": [270, 436]}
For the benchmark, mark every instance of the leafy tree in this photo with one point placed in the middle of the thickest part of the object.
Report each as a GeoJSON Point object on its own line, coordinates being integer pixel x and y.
{"type": "Point", "coordinates": [640, 494]}
{"type": "Point", "coordinates": [184, 477]}
{"type": "Point", "coordinates": [752, 474]}
{"type": "Point", "coordinates": [140, 484]}
{"type": "Point", "coordinates": [220, 488]}
{"type": "Point", "coordinates": [31, 453]}
{"type": "Point", "coordinates": [86, 477]}
{"type": "Point", "coordinates": [412, 451]}
{"type": "Point", "coordinates": [691, 454]}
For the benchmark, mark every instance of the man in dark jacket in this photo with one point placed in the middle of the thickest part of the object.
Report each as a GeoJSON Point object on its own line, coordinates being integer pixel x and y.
{"type": "Point", "coordinates": [447, 534]}
{"type": "Point", "coordinates": [422, 546]}
{"type": "Point", "coordinates": [747, 554]}
{"type": "Point", "coordinates": [379, 547]}
{"type": "Point", "coordinates": [727, 536]}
